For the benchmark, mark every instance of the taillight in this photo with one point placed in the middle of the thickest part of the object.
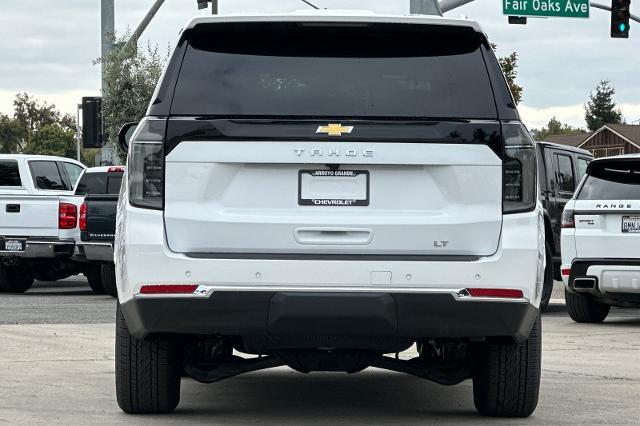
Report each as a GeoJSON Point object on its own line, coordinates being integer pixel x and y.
{"type": "Point", "coordinates": [519, 170]}
{"type": "Point", "coordinates": [146, 165]}
{"type": "Point", "coordinates": [82, 222]}
{"type": "Point", "coordinates": [115, 169]}
{"type": "Point", "coordinates": [67, 216]}
{"type": "Point", "coordinates": [568, 219]}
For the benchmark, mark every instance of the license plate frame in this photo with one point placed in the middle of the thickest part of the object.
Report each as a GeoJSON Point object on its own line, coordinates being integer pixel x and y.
{"type": "Point", "coordinates": [633, 229]}
{"type": "Point", "coordinates": [337, 201]}
{"type": "Point", "coordinates": [13, 245]}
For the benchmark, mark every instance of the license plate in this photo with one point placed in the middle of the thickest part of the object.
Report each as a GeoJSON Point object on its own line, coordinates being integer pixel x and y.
{"type": "Point", "coordinates": [631, 224]}
{"type": "Point", "coordinates": [13, 245]}
{"type": "Point", "coordinates": [337, 188]}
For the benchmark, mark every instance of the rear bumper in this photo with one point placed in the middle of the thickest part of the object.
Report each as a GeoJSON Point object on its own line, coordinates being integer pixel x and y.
{"type": "Point", "coordinates": [101, 252]}
{"type": "Point", "coordinates": [340, 318]}
{"type": "Point", "coordinates": [614, 279]}
{"type": "Point", "coordinates": [41, 248]}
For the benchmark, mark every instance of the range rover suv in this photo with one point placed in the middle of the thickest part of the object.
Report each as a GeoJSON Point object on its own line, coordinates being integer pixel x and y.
{"type": "Point", "coordinates": [601, 240]}
{"type": "Point", "coordinates": [320, 191]}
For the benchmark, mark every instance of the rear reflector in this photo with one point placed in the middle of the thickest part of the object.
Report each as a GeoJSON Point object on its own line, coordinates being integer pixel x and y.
{"type": "Point", "coordinates": [496, 292]}
{"type": "Point", "coordinates": [566, 272]}
{"type": "Point", "coordinates": [168, 289]}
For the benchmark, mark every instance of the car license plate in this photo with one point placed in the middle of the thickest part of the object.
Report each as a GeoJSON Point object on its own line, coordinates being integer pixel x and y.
{"type": "Point", "coordinates": [13, 245]}
{"type": "Point", "coordinates": [631, 224]}
{"type": "Point", "coordinates": [339, 188]}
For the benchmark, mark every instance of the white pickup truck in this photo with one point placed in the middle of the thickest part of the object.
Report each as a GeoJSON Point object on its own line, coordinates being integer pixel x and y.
{"type": "Point", "coordinates": [32, 217]}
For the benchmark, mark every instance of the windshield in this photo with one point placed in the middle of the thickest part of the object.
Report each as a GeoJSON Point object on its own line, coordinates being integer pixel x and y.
{"type": "Point", "coordinates": [293, 70]}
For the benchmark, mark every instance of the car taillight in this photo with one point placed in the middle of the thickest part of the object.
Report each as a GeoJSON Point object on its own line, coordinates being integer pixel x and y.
{"type": "Point", "coordinates": [146, 165]}
{"type": "Point", "coordinates": [115, 169]}
{"type": "Point", "coordinates": [568, 219]}
{"type": "Point", "coordinates": [67, 216]}
{"type": "Point", "coordinates": [82, 221]}
{"type": "Point", "coordinates": [519, 170]}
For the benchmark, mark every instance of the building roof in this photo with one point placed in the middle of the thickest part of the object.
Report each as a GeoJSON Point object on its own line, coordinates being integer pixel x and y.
{"type": "Point", "coordinates": [629, 132]}
{"type": "Point", "coordinates": [569, 140]}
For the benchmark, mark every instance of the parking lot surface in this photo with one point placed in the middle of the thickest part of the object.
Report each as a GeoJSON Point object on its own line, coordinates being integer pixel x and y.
{"type": "Point", "coordinates": [57, 356]}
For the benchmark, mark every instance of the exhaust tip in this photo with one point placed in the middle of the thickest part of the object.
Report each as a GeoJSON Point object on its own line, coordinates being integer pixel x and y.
{"type": "Point", "coordinates": [584, 284]}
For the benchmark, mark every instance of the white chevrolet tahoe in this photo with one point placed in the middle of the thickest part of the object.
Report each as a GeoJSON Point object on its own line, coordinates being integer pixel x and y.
{"type": "Point", "coordinates": [601, 240]}
{"type": "Point", "coordinates": [320, 190]}
{"type": "Point", "coordinates": [34, 220]}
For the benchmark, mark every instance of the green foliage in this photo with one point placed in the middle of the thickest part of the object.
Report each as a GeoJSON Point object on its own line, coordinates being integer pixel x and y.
{"type": "Point", "coordinates": [130, 80]}
{"type": "Point", "coordinates": [37, 128]}
{"type": "Point", "coordinates": [554, 127]}
{"type": "Point", "coordinates": [601, 109]}
{"type": "Point", "coordinates": [509, 65]}
{"type": "Point", "coordinates": [52, 139]}
{"type": "Point", "coordinates": [10, 135]}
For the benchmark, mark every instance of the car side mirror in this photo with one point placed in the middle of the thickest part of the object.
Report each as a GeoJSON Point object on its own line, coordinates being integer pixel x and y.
{"type": "Point", "coordinates": [124, 136]}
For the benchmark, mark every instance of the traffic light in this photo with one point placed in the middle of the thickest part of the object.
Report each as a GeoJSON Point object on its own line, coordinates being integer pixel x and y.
{"type": "Point", "coordinates": [620, 18]}
{"type": "Point", "coordinates": [92, 122]}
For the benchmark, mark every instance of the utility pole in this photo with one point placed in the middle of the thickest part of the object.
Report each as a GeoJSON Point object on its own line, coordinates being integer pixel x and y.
{"type": "Point", "coordinates": [424, 7]}
{"type": "Point", "coordinates": [214, 7]}
{"type": "Point", "coordinates": [107, 31]}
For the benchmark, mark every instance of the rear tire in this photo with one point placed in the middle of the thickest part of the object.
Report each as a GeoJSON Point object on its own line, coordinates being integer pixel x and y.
{"type": "Point", "coordinates": [547, 287]}
{"type": "Point", "coordinates": [506, 381]}
{"type": "Point", "coordinates": [94, 277]}
{"type": "Point", "coordinates": [148, 372]}
{"type": "Point", "coordinates": [585, 309]}
{"type": "Point", "coordinates": [108, 271]}
{"type": "Point", "coordinates": [16, 279]}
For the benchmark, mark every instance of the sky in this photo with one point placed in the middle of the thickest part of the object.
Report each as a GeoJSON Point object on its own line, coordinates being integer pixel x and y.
{"type": "Point", "coordinates": [47, 49]}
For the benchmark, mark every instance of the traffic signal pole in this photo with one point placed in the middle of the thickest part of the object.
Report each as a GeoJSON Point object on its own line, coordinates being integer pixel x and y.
{"type": "Point", "coordinates": [145, 21]}
{"type": "Point", "coordinates": [608, 8]}
{"type": "Point", "coordinates": [425, 7]}
{"type": "Point", "coordinates": [447, 5]}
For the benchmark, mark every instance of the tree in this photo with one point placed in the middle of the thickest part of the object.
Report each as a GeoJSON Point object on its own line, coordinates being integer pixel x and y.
{"type": "Point", "coordinates": [554, 127]}
{"type": "Point", "coordinates": [30, 119]}
{"type": "Point", "coordinates": [601, 108]}
{"type": "Point", "coordinates": [130, 80]}
{"type": "Point", "coordinates": [52, 139]}
{"type": "Point", "coordinates": [509, 65]}
{"type": "Point", "coordinates": [10, 135]}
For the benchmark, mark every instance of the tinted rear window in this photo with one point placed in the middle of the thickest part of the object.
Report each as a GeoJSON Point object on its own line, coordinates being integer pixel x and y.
{"type": "Point", "coordinates": [99, 183]}
{"type": "Point", "coordinates": [380, 70]}
{"type": "Point", "coordinates": [612, 181]}
{"type": "Point", "coordinates": [9, 173]}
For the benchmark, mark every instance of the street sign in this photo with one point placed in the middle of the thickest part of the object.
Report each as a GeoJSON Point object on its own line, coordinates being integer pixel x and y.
{"type": "Point", "coordinates": [548, 8]}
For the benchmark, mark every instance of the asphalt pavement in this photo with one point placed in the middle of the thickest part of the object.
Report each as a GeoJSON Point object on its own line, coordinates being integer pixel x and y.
{"type": "Point", "coordinates": [57, 362]}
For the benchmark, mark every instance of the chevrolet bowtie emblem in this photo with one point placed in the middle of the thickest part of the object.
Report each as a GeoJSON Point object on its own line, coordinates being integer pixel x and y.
{"type": "Point", "coordinates": [334, 129]}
